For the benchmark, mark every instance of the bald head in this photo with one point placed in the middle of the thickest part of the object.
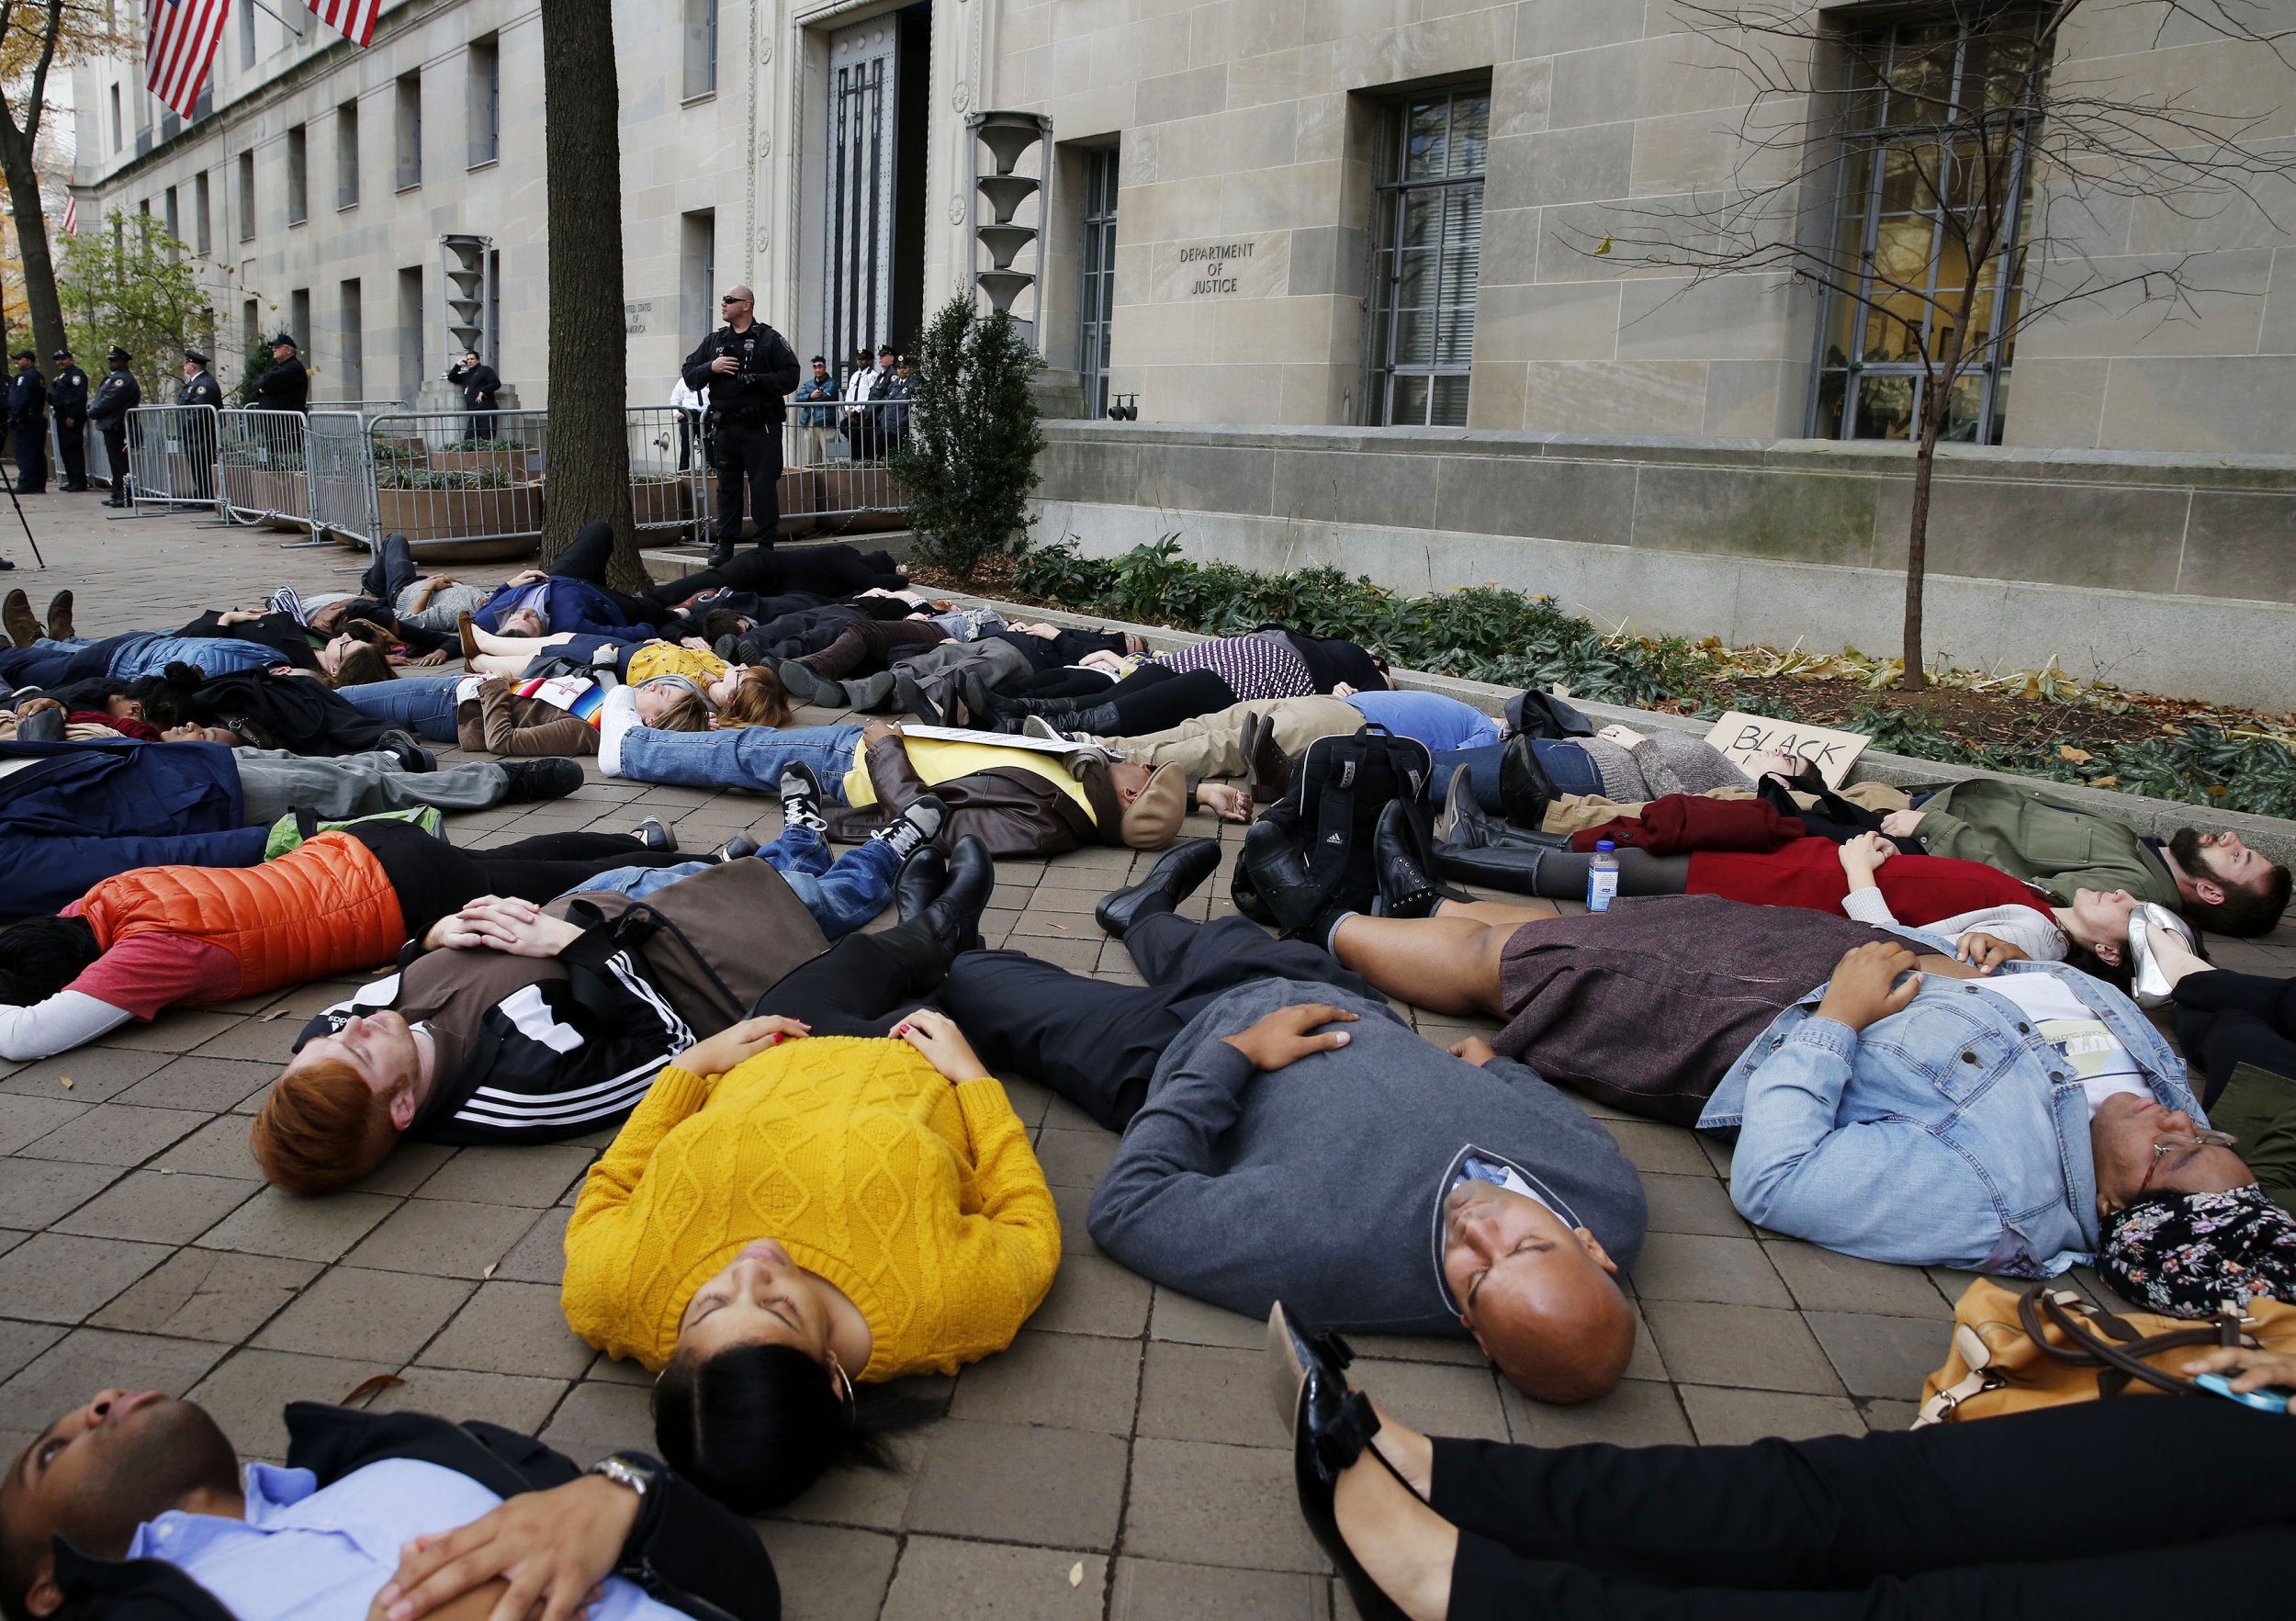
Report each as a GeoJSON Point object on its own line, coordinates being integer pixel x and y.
{"type": "Point", "coordinates": [738, 306]}
{"type": "Point", "coordinates": [1541, 1299]}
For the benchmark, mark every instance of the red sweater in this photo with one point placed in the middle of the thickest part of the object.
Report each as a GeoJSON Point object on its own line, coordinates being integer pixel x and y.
{"type": "Point", "coordinates": [1808, 874]}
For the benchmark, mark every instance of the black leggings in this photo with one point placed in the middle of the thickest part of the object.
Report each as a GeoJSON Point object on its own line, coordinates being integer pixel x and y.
{"type": "Point", "coordinates": [2133, 1507]}
{"type": "Point", "coordinates": [863, 985]}
{"type": "Point", "coordinates": [435, 879]}
{"type": "Point", "coordinates": [2225, 1019]}
{"type": "Point", "coordinates": [828, 571]}
{"type": "Point", "coordinates": [1153, 698]}
{"type": "Point", "coordinates": [586, 559]}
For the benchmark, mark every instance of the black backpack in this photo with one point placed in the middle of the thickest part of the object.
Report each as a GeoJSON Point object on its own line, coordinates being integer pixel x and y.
{"type": "Point", "coordinates": [1330, 810]}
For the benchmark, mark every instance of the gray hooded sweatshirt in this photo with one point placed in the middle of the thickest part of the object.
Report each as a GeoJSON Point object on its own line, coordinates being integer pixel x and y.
{"type": "Point", "coordinates": [1321, 1184]}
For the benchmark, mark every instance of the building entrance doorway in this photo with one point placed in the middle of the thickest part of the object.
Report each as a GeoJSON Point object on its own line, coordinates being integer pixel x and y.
{"type": "Point", "coordinates": [873, 273]}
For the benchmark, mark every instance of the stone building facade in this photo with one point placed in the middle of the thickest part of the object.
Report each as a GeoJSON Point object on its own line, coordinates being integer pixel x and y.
{"type": "Point", "coordinates": [1225, 176]}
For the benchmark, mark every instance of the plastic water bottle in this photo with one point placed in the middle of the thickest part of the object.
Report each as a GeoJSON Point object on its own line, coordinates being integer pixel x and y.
{"type": "Point", "coordinates": [1601, 877]}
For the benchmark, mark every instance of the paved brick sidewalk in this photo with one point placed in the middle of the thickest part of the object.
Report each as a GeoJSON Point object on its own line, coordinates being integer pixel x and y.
{"type": "Point", "coordinates": [1119, 1461]}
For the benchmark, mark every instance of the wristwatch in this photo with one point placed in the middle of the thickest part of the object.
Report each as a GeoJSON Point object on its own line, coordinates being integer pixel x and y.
{"type": "Point", "coordinates": [623, 1472]}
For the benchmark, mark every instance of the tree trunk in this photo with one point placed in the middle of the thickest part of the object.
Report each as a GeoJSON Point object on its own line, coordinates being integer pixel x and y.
{"type": "Point", "coordinates": [1916, 676]}
{"type": "Point", "coordinates": [588, 441]}
{"type": "Point", "coordinates": [31, 237]}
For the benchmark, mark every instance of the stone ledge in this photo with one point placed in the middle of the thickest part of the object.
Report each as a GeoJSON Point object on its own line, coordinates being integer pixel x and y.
{"type": "Point", "coordinates": [2160, 817]}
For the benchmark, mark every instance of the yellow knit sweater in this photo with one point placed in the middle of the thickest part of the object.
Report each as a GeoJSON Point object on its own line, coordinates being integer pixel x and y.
{"type": "Point", "coordinates": [922, 1200]}
{"type": "Point", "coordinates": [652, 658]}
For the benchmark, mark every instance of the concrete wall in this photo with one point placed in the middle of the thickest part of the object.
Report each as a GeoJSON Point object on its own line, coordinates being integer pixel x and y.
{"type": "Point", "coordinates": [2160, 573]}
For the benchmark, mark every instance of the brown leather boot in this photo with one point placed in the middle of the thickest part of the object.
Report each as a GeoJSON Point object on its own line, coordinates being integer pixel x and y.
{"type": "Point", "coordinates": [16, 613]}
{"type": "Point", "coordinates": [60, 616]}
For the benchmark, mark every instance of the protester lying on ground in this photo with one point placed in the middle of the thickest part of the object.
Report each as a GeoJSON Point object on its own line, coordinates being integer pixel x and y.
{"type": "Point", "coordinates": [732, 694]}
{"type": "Point", "coordinates": [1162, 691]}
{"type": "Point", "coordinates": [1950, 1135]}
{"type": "Point", "coordinates": [2224, 1020]}
{"type": "Point", "coordinates": [267, 709]}
{"type": "Point", "coordinates": [1286, 1135]}
{"type": "Point", "coordinates": [957, 683]}
{"type": "Point", "coordinates": [47, 663]}
{"type": "Point", "coordinates": [167, 936]}
{"type": "Point", "coordinates": [24, 628]}
{"type": "Point", "coordinates": [573, 595]}
{"type": "Point", "coordinates": [135, 1503]}
{"type": "Point", "coordinates": [875, 1209]}
{"type": "Point", "coordinates": [75, 814]}
{"type": "Point", "coordinates": [1524, 777]}
{"type": "Point", "coordinates": [2017, 1516]}
{"type": "Point", "coordinates": [2213, 878]}
{"type": "Point", "coordinates": [1260, 737]}
{"type": "Point", "coordinates": [531, 1024]}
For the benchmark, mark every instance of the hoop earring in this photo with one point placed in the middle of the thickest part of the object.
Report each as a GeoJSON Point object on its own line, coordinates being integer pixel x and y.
{"type": "Point", "coordinates": [845, 1381]}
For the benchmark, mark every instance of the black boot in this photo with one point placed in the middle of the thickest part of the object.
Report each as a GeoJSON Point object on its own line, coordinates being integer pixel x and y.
{"type": "Point", "coordinates": [1508, 867]}
{"type": "Point", "coordinates": [1099, 721]}
{"type": "Point", "coordinates": [1046, 706]}
{"type": "Point", "coordinates": [953, 917]}
{"type": "Point", "coordinates": [919, 883]}
{"type": "Point", "coordinates": [1265, 766]}
{"type": "Point", "coordinates": [1465, 824]}
{"type": "Point", "coordinates": [1524, 788]}
{"type": "Point", "coordinates": [912, 698]}
{"type": "Point", "coordinates": [868, 694]}
{"type": "Point", "coordinates": [1277, 870]}
{"type": "Point", "coordinates": [412, 757]}
{"type": "Point", "coordinates": [1403, 863]}
{"type": "Point", "coordinates": [528, 781]}
{"type": "Point", "coordinates": [1171, 881]}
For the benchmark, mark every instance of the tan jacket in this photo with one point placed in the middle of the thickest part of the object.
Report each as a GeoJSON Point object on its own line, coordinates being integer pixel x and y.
{"type": "Point", "coordinates": [499, 722]}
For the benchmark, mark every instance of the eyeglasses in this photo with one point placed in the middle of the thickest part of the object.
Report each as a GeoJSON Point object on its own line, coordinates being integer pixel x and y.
{"type": "Point", "coordinates": [2192, 1144]}
{"type": "Point", "coordinates": [729, 298]}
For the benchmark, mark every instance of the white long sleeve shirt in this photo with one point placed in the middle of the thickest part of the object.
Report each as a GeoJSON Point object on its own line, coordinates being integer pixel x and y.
{"type": "Point", "coordinates": [2032, 932]}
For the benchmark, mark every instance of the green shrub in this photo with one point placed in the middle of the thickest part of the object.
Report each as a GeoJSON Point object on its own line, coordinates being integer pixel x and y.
{"type": "Point", "coordinates": [969, 458]}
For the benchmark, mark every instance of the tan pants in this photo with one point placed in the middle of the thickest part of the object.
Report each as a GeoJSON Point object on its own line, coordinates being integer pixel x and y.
{"type": "Point", "coordinates": [1212, 745]}
{"type": "Point", "coordinates": [1575, 812]}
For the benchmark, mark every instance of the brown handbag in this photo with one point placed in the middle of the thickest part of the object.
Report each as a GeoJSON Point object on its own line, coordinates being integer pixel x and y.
{"type": "Point", "coordinates": [2041, 1347]}
{"type": "Point", "coordinates": [712, 943]}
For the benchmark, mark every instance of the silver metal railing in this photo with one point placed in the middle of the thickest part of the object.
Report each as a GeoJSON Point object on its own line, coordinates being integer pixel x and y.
{"type": "Point", "coordinates": [264, 468]}
{"type": "Point", "coordinates": [668, 467]}
{"type": "Point", "coordinates": [171, 457]}
{"type": "Point", "coordinates": [439, 488]}
{"type": "Point", "coordinates": [342, 478]}
{"type": "Point", "coordinates": [835, 474]}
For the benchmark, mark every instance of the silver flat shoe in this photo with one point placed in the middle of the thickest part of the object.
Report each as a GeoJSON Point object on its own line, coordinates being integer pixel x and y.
{"type": "Point", "coordinates": [2150, 984]}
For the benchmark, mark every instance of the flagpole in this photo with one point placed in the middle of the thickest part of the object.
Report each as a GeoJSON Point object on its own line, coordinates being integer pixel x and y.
{"type": "Point", "coordinates": [274, 16]}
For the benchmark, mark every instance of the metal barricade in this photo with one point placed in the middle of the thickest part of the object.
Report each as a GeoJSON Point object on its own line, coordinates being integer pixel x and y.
{"type": "Point", "coordinates": [264, 468]}
{"type": "Point", "coordinates": [836, 478]}
{"type": "Point", "coordinates": [342, 479]}
{"type": "Point", "coordinates": [668, 466]}
{"type": "Point", "coordinates": [475, 498]}
{"type": "Point", "coordinates": [172, 455]}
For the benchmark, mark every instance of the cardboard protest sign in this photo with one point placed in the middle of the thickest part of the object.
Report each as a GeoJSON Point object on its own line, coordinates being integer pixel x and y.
{"type": "Point", "coordinates": [1741, 737]}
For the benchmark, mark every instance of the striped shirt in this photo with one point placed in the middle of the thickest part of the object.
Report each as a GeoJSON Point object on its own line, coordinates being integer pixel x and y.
{"type": "Point", "coordinates": [1256, 667]}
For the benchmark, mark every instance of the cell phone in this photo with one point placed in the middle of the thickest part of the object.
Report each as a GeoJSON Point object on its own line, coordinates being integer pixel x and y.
{"type": "Point", "coordinates": [2272, 1399]}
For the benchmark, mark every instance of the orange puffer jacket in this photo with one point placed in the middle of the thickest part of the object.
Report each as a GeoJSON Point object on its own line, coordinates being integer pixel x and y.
{"type": "Point", "coordinates": [323, 909]}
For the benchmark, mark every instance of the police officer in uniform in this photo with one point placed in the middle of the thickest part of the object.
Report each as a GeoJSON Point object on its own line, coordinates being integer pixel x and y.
{"type": "Point", "coordinates": [480, 383]}
{"type": "Point", "coordinates": [67, 395]}
{"type": "Point", "coordinates": [27, 424]}
{"type": "Point", "coordinates": [287, 386]}
{"type": "Point", "coordinates": [749, 369]}
{"type": "Point", "coordinates": [198, 434]}
{"type": "Point", "coordinates": [116, 396]}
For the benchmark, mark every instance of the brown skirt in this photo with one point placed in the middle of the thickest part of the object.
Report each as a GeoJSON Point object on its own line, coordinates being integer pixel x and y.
{"type": "Point", "coordinates": [1646, 1007]}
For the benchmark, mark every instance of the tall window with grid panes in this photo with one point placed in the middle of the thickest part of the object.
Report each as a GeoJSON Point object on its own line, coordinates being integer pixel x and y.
{"type": "Point", "coordinates": [1427, 234]}
{"type": "Point", "coordinates": [1096, 301]}
{"type": "Point", "coordinates": [1919, 188]}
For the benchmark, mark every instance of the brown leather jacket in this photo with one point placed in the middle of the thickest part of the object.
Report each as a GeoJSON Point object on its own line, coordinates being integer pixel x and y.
{"type": "Point", "coordinates": [1014, 811]}
{"type": "Point", "coordinates": [500, 722]}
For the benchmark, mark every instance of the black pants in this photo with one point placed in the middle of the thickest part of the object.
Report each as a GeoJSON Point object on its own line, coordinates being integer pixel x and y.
{"type": "Point", "coordinates": [71, 450]}
{"type": "Point", "coordinates": [389, 571]}
{"type": "Point", "coordinates": [2141, 1507]}
{"type": "Point", "coordinates": [29, 443]}
{"type": "Point", "coordinates": [2224, 1021]}
{"type": "Point", "coordinates": [828, 571]}
{"type": "Point", "coordinates": [863, 985]}
{"type": "Point", "coordinates": [435, 879]}
{"type": "Point", "coordinates": [586, 559]}
{"type": "Point", "coordinates": [198, 459]}
{"type": "Point", "coordinates": [753, 454]}
{"type": "Point", "coordinates": [1095, 1043]}
{"type": "Point", "coordinates": [478, 426]}
{"type": "Point", "coordinates": [1166, 699]}
{"type": "Point", "coordinates": [115, 453]}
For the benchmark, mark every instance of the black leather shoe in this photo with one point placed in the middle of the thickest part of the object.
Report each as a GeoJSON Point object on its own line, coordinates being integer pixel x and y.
{"type": "Point", "coordinates": [919, 883]}
{"type": "Point", "coordinates": [801, 684]}
{"type": "Point", "coordinates": [953, 917]}
{"type": "Point", "coordinates": [979, 704]}
{"type": "Point", "coordinates": [1402, 866]}
{"type": "Point", "coordinates": [657, 834]}
{"type": "Point", "coordinates": [532, 780]}
{"type": "Point", "coordinates": [60, 616]}
{"type": "Point", "coordinates": [911, 697]}
{"type": "Point", "coordinates": [1524, 788]}
{"type": "Point", "coordinates": [1296, 1352]}
{"type": "Point", "coordinates": [1171, 881]}
{"type": "Point", "coordinates": [1332, 1426]}
{"type": "Point", "coordinates": [1514, 868]}
{"type": "Point", "coordinates": [1266, 767]}
{"type": "Point", "coordinates": [1271, 858]}
{"type": "Point", "coordinates": [16, 613]}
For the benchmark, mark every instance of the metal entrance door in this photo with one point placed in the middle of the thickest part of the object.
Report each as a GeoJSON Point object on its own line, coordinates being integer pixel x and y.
{"type": "Point", "coordinates": [856, 280]}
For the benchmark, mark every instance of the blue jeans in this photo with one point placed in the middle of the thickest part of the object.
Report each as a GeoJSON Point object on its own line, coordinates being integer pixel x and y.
{"type": "Point", "coordinates": [423, 704]}
{"type": "Point", "coordinates": [47, 663]}
{"type": "Point", "coordinates": [842, 895]}
{"type": "Point", "coordinates": [745, 757]}
{"type": "Point", "coordinates": [1570, 767]}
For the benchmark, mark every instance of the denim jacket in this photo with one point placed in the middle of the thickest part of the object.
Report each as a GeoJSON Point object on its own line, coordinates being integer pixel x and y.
{"type": "Point", "coordinates": [1948, 1134]}
{"type": "Point", "coordinates": [816, 416]}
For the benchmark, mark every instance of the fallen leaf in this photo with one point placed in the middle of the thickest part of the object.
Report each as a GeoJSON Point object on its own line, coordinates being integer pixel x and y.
{"type": "Point", "coordinates": [2077, 756]}
{"type": "Point", "coordinates": [2104, 782]}
{"type": "Point", "coordinates": [1076, 1574]}
{"type": "Point", "coordinates": [490, 1271]}
{"type": "Point", "coordinates": [276, 1013]}
{"type": "Point", "coordinates": [367, 1387]}
{"type": "Point", "coordinates": [65, 1080]}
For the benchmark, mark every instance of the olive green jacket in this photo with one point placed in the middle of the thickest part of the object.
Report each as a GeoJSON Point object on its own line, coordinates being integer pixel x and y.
{"type": "Point", "coordinates": [2259, 1108]}
{"type": "Point", "coordinates": [2031, 834]}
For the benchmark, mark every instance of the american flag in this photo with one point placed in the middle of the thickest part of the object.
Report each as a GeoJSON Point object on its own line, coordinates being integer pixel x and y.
{"type": "Point", "coordinates": [355, 19]}
{"type": "Point", "coordinates": [183, 41]}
